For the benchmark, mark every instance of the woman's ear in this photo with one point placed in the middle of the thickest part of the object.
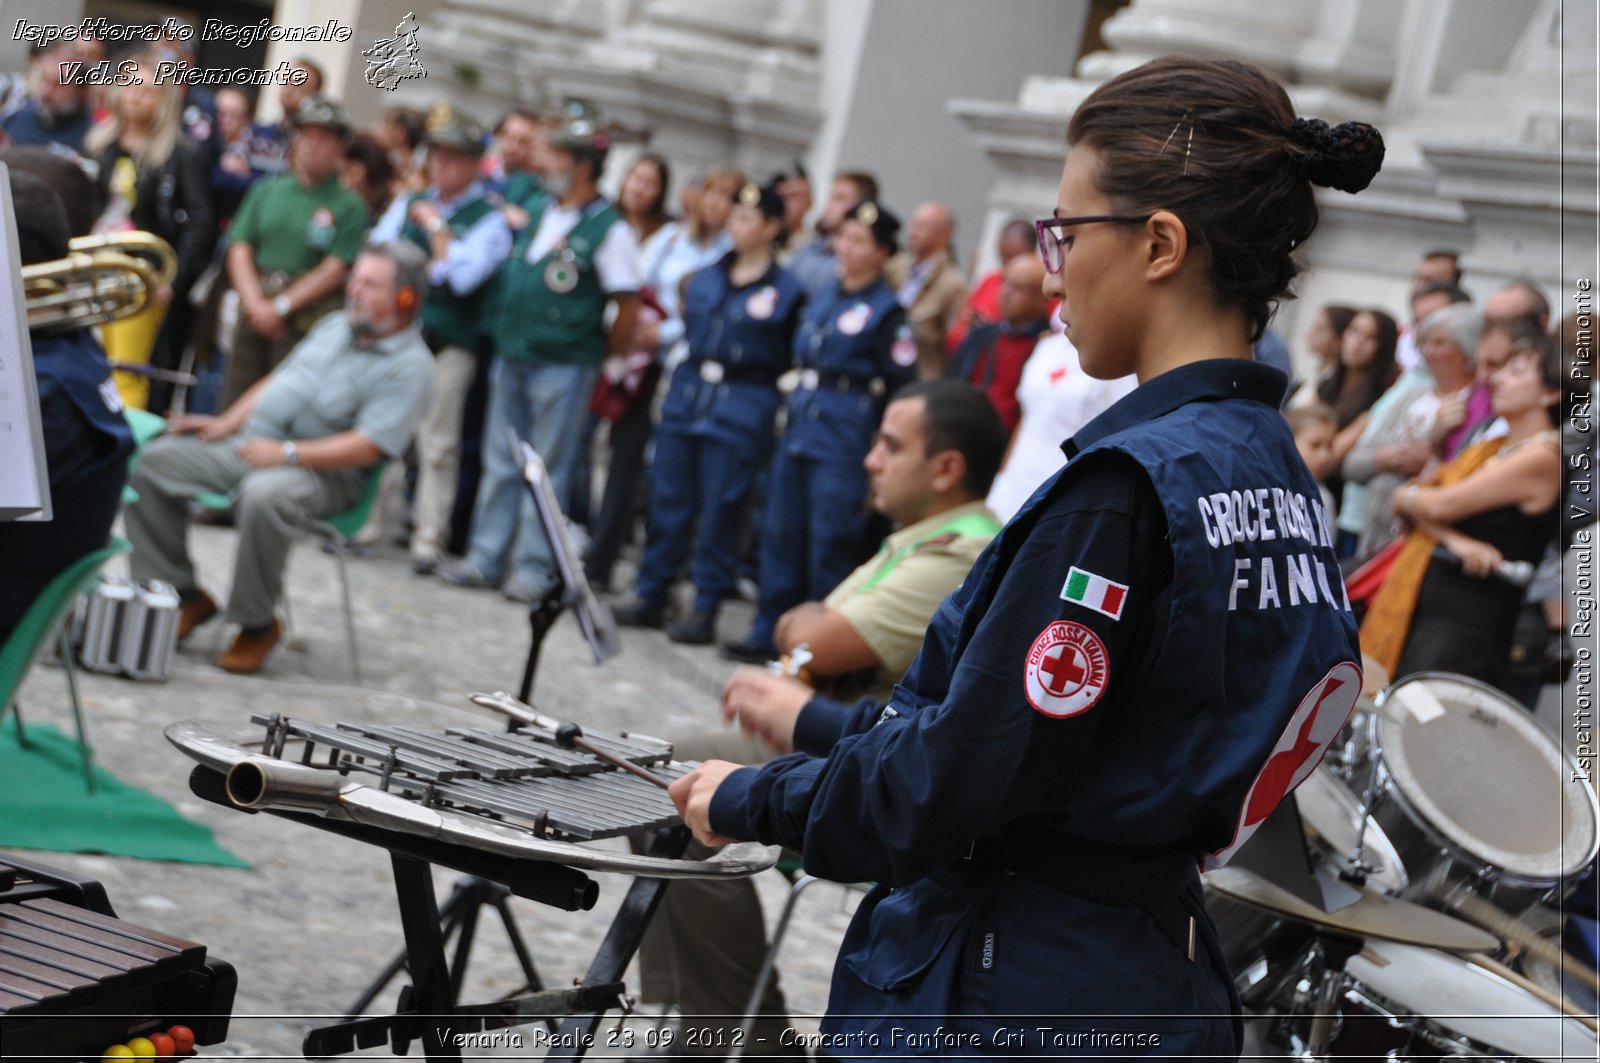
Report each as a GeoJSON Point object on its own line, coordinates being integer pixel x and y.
{"type": "Point", "coordinates": [1166, 241]}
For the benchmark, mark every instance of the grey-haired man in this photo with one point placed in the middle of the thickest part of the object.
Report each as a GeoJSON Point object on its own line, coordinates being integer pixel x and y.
{"type": "Point", "coordinates": [295, 446]}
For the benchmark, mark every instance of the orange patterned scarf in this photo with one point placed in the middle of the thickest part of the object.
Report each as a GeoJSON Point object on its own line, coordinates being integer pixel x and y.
{"type": "Point", "coordinates": [1388, 621]}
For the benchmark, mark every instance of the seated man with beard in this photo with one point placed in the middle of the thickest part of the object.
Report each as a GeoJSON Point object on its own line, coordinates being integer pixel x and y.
{"type": "Point", "coordinates": [295, 446]}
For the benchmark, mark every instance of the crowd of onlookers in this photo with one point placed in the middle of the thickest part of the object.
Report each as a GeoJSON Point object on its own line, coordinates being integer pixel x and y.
{"type": "Point", "coordinates": [724, 348]}
{"type": "Point", "coordinates": [1446, 449]}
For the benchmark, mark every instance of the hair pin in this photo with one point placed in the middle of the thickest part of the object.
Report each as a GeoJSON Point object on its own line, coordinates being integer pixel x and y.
{"type": "Point", "coordinates": [1188, 144]}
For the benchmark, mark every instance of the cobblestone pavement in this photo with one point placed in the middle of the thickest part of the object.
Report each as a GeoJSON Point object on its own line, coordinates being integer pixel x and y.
{"type": "Point", "coordinates": [314, 919]}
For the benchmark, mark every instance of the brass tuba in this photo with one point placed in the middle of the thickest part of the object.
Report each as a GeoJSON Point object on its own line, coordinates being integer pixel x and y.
{"type": "Point", "coordinates": [103, 278]}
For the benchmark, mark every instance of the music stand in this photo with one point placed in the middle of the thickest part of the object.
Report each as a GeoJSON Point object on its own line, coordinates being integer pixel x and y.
{"type": "Point", "coordinates": [458, 915]}
{"type": "Point", "coordinates": [571, 587]}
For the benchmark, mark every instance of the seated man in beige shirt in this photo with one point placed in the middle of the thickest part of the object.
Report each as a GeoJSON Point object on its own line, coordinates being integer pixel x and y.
{"type": "Point", "coordinates": [938, 448]}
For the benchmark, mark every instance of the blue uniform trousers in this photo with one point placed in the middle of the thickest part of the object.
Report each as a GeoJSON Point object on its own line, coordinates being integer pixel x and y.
{"type": "Point", "coordinates": [811, 533]}
{"type": "Point", "coordinates": [696, 478]}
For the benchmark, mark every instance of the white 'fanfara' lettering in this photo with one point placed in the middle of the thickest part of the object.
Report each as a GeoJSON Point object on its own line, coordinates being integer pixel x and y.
{"type": "Point", "coordinates": [1263, 515]}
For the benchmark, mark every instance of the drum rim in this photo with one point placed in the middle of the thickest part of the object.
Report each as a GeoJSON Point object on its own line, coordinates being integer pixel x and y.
{"type": "Point", "coordinates": [1329, 777]}
{"type": "Point", "coordinates": [1454, 848]}
{"type": "Point", "coordinates": [1426, 1027]}
{"type": "Point", "coordinates": [1385, 1005]}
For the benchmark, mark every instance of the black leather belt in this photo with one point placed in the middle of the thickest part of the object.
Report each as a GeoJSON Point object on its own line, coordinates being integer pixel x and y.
{"type": "Point", "coordinates": [713, 372]}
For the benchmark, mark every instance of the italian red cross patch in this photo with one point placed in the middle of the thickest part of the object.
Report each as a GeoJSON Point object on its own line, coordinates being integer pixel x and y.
{"type": "Point", "coordinates": [1067, 670]}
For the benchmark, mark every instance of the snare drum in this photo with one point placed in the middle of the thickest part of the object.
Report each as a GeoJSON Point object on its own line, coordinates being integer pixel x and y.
{"type": "Point", "coordinates": [1436, 1003]}
{"type": "Point", "coordinates": [1470, 787]}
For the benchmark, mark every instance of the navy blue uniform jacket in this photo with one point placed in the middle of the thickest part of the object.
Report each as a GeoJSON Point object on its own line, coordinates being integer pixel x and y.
{"type": "Point", "coordinates": [1140, 665]}
{"type": "Point", "coordinates": [748, 331]}
{"type": "Point", "coordinates": [859, 345]}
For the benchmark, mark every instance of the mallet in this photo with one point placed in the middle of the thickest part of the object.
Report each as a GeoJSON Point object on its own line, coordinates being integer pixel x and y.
{"type": "Point", "coordinates": [570, 736]}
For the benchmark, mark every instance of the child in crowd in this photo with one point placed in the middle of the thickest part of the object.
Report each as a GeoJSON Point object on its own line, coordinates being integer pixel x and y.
{"type": "Point", "coordinates": [1314, 427]}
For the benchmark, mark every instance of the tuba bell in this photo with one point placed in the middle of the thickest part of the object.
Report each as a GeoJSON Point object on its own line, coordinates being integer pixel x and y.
{"type": "Point", "coordinates": [103, 278]}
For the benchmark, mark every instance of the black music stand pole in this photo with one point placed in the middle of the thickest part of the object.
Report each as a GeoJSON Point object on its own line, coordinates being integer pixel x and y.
{"type": "Point", "coordinates": [542, 616]}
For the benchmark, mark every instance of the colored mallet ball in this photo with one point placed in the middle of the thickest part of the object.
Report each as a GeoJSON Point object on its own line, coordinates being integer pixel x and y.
{"type": "Point", "coordinates": [165, 1046]}
{"type": "Point", "coordinates": [116, 1052]}
{"type": "Point", "coordinates": [182, 1038]}
{"type": "Point", "coordinates": [142, 1048]}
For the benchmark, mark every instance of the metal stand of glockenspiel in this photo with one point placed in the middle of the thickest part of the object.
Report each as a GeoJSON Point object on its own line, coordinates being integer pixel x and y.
{"type": "Point", "coordinates": [458, 919]}
{"type": "Point", "coordinates": [428, 1011]}
{"type": "Point", "coordinates": [470, 895]}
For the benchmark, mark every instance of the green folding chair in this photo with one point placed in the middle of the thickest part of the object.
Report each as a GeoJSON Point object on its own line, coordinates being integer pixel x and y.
{"type": "Point", "coordinates": [146, 426]}
{"type": "Point", "coordinates": [340, 530]}
{"type": "Point", "coordinates": [43, 620]}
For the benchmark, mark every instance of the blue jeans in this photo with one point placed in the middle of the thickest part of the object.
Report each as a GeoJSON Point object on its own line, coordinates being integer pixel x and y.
{"type": "Point", "coordinates": [545, 406]}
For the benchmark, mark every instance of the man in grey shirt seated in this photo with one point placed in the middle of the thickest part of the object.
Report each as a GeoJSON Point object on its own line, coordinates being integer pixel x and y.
{"type": "Point", "coordinates": [295, 446]}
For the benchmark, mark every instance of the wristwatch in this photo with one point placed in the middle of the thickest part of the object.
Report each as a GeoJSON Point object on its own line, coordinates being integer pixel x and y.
{"type": "Point", "coordinates": [291, 452]}
{"type": "Point", "coordinates": [281, 306]}
{"type": "Point", "coordinates": [437, 225]}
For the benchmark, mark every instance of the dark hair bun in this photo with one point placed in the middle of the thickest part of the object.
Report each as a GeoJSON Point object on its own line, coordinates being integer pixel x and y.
{"type": "Point", "coordinates": [1346, 156]}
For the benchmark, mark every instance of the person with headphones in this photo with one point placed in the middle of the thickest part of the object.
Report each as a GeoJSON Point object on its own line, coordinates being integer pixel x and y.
{"type": "Point", "coordinates": [297, 445]}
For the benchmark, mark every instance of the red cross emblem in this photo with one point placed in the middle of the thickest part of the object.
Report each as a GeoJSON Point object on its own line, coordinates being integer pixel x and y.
{"type": "Point", "coordinates": [1064, 665]}
{"type": "Point", "coordinates": [1066, 669]}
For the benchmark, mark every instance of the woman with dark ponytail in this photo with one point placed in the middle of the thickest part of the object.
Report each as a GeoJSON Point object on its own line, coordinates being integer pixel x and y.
{"type": "Point", "coordinates": [1141, 665]}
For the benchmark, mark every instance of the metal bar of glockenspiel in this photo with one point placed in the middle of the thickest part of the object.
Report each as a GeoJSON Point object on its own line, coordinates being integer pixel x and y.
{"type": "Point", "coordinates": [352, 741]}
{"type": "Point", "coordinates": [415, 761]}
{"type": "Point", "coordinates": [613, 816]}
{"type": "Point", "coordinates": [485, 763]}
{"type": "Point", "coordinates": [628, 795]}
{"type": "Point", "coordinates": [637, 754]}
{"type": "Point", "coordinates": [488, 740]}
{"type": "Point", "coordinates": [506, 800]}
{"type": "Point", "coordinates": [560, 761]}
{"type": "Point", "coordinates": [573, 813]}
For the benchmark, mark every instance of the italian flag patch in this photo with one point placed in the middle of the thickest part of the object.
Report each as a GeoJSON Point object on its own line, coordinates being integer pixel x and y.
{"type": "Point", "coordinates": [1095, 592]}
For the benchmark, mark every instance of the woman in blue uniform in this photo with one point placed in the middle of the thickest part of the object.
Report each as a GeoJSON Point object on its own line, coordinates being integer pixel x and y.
{"type": "Point", "coordinates": [853, 349]}
{"type": "Point", "coordinates": [716, 423]}
{"type": "Point", "coordinates": [1146, 659]}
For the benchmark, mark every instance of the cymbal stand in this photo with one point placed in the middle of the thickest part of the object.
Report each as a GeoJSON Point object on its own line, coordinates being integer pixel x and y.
{"type": "Point", "coordinates": [1335, 951]}
{"type": "Point", "coordinates": [1359, 869]}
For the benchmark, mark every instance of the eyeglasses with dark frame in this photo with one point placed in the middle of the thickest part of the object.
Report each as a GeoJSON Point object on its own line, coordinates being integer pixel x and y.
{"type": "Point", "coordinates": [1053, 249]}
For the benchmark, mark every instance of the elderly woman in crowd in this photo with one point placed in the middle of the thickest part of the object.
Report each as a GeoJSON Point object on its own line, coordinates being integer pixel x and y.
{"type": "Point", "coordinates": [1400, 437]}
{"type": "Point", "coordinates": [1442, 606]}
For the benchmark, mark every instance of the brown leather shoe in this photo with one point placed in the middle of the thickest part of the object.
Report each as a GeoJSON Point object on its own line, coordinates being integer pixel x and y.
{"type": "Point", "coordinates": [249, 651]}
{"type": "Point", "coordinates": [194, 612]}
